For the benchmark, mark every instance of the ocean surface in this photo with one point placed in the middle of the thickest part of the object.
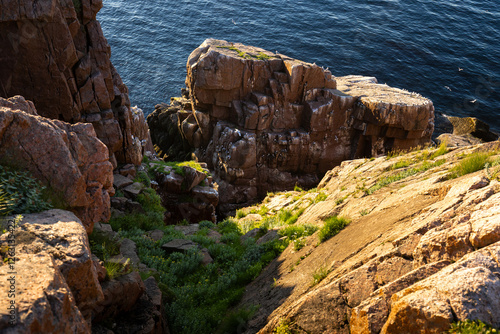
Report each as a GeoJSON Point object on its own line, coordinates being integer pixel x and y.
{"type": "Point", "coordinates": [448, 51]}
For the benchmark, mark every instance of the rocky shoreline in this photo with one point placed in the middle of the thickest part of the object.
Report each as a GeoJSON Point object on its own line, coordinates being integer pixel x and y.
{"type": "Point", "coordinates": [418, 251]}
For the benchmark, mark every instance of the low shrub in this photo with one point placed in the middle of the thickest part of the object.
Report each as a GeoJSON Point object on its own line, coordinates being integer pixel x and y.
{"type": "Point", "coordinates": [206, 224]}
{"type": "Point", "coordinates": [471, 327]}
{"type": "Point", "coordinates": [333, 225]}
{"type": "Point", "coordinates": [22, 193]}
{"type": "Point", "coordinates": [240, 214]}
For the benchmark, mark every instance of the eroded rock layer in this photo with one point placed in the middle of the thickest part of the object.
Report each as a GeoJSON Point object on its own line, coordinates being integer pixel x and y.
{"type": "Point", "coordinates": [265, 122]}
{"type": "Point", "coordinates": [54, 54]}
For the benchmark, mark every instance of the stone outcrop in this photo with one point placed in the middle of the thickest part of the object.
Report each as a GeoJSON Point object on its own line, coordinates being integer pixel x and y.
{"type": "Point", "coordinates": [264, 122]}
{"type": "Point", "coordinates": [472, 126]}
{"type": "Point", "coordinates": [62, 235]}
{"type": "Point", "coordinates": [68, 159]}
{"type": "Point", "coordinates": [54, 54]}
{"type": "Point", "coordinates": [186, 192]}
{"type": "Point", "coordinates": [419, 254]}
{"type": "Point", "coordinates": [43, 300]}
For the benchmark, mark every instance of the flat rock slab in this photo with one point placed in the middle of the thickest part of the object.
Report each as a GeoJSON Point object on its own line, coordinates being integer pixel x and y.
{"type": "Point", "coordinates": [134, 189]}
{"type": "Point", "coordinates": [120, 181]}
{"type": "Point", "coordinates": [179, 245]}
{"type": "Point", "coordinates": [188, 229]}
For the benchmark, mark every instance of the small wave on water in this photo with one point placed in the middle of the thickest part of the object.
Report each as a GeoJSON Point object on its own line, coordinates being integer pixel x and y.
{"type": "Point", "coordinates": [445, 50]}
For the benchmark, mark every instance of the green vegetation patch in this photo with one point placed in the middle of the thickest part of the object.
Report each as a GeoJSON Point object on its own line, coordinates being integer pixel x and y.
{"type": "Point", "coordinates": [426, 165]}
{"type": "Point", "coordinates": [471, 163]}
{"type": "Point", "coordinates": [333, 225]}
{"type": "Point", "coordinates": [200, 296]}
{"type": "Point", "coordinates": [471, 327]}
{"type": "Point", "coordinates": [21, 192]}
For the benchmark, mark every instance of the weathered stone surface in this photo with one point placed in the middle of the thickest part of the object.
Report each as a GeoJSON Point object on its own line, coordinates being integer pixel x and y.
{"type": "Point", "coordinates": [452, 140]}
{"type": "Point", "coordinates": [69, 159]}
{"type": "Point", "coordinates": [133, 190]}
{"type": "Point", "coordinates": [120, 181]}
{"type": "Point", "coordinates": [58, 58]}
{"type": "Point", "coordinates": [120, 295]}
{"type": "Point", "coordinates": [129, 250]}
{"type": "Point", "coordinates": [191, 196]}
{"type": "Point", "coordinates": [179, 245]}
{"type": "Point", "coordinates": [43, 301]}
{"type": "Point", "coordinates": [419, 253]}
{"type": "Point", "coordinates": [61, 234]}
{"type": "Point", "coordinates": [468, 289]}
{"type": "Point", "coordinates": [472, 126]}
{"type": "Point", "coordinates": [264, 122]}
{"type": "Point", "coordinates": [156, 234]}
{"type": "Point", "coordinates": [147, 316]}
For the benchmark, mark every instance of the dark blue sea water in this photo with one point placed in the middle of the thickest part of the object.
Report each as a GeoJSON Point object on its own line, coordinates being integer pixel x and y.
{"type": "Point", "coordinates": [449, 50]}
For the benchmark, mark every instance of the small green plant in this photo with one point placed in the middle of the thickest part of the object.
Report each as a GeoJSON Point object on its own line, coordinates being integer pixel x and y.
{"type": "Point", "coordinates": [299, 243]}
{"type": "Point", "coordinates": [297, 188]}
{"type": "Point", "coordinates": [319, 275]}
{"type": "Point", "coordinates": [470, 164]}
{"type": "Point", "coordinates": [283, 327]}
{"type": "Point", "coordinates": [333, 225]}
{"type": "Point", "coordinates": [471, 327]}
{"type": "Point", "coordinates": [206, 224]}
{"type": "Point", "coordinates": [263, 210]}
{"type": "Point", "coordinates": [442, 149]}
{"type": "Point", "coordinates": [22, 193]}
{"type": "Point", "coordinates": [240, 214]}
{"type": "Point", "coordinates": [78, 6]}
{"type": "Point", "coordinates": [364, 212]}
{"type": "Point", "coordinates": [320, 197]}
{"type": "Point", "coordinates": [401, 164]}
{"type": "Point", "coordinates": [236, 319]}
{"type": "Point", "coordinates": [143, 178]}
{"type": "Point", "coordinates": [5, 203]}
{"type": "Point", "coordinates": [116, 269]}
{"type": "Point", "coordinates": [103, 246]}
{"type": "Point", "coordinates": [150, 201]}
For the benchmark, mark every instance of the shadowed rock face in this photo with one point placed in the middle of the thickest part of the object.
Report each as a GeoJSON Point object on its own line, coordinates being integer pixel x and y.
{"type": "Point", "coordinates": [265, 122]}
{"type": "Point", "coordinates": [67, 158]}
{"type": "Point", "coordinates": [56, 56]}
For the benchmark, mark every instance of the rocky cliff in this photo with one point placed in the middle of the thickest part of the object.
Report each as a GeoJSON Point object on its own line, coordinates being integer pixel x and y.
{"type": "Point", "coordinates": [54, 54]}
{"type": "Point", "coordinates": [265, 122]}
{"type": "Point", "coordinates": [68, 159]}
{"type": "Point", "coordinates": [422, 250]}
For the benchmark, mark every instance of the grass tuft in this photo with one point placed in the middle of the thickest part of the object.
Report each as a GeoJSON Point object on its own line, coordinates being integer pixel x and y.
{"type": "Point", "coordinates": [333, 225]}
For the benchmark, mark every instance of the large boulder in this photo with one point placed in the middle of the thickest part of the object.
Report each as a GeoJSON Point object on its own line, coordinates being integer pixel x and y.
{"type": "Point", "coordinates": [472, 126]}
{"type": "Point", "coordinates": [68, 159]}
{"type": "Point", "coordinates": [54, 53]}
{"type": "Point", "coordinates": [264, 122]}
{"type": "Point", "coordinates": [62, 235]}
{"type": "Point", "coordinates": [42, 300]}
